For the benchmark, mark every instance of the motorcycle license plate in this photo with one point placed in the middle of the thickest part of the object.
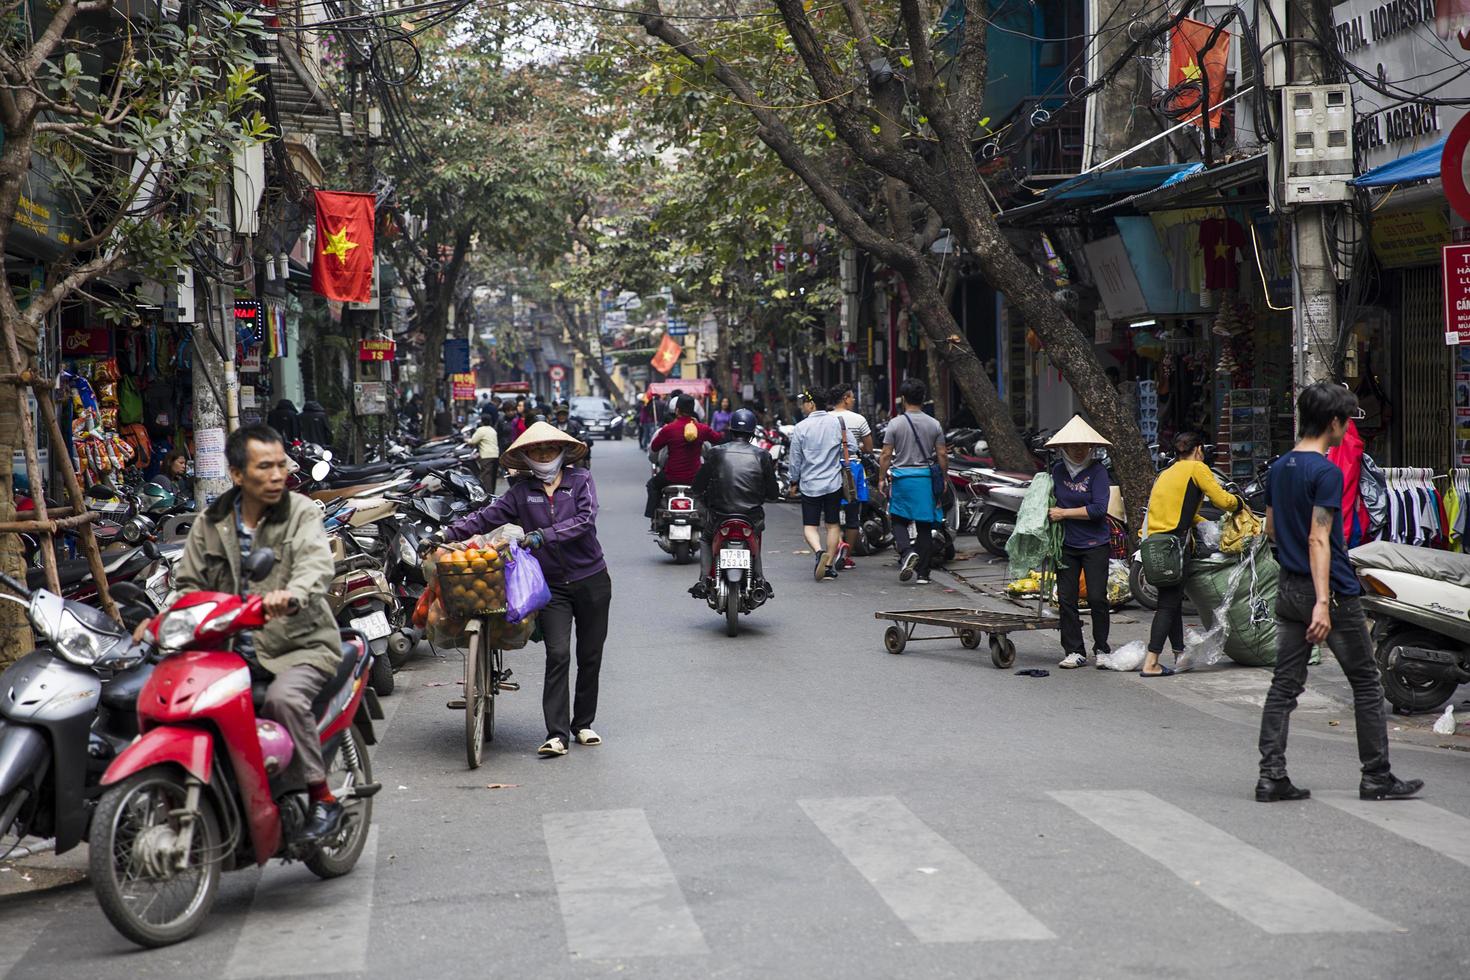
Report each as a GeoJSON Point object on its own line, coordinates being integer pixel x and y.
{"type": "Point", "coordinates": [734, 558]}
{"type": "Point", "coordinates": [681, 532]}
{"type": "Point", "coordinates": [374, 626]}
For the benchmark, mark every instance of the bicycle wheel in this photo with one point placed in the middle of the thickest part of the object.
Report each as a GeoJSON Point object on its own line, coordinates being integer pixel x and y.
{"type": "Point", "coordinates": [474, 702]}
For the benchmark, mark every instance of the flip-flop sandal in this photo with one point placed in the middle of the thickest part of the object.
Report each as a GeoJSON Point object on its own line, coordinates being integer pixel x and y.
{"type": "Point", "coordinates": [1163, 672]}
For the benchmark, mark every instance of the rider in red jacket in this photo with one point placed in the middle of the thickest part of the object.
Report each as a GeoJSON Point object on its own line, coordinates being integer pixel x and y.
{"type": "Point", "coordinates": [685, 438]}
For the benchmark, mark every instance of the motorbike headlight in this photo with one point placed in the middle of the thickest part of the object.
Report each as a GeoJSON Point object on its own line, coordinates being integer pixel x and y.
{"type": "Point", "coordinates": [79, 647]}
{"type": "Point", "coordinates": [178, 628]}
{"type": "Point", "coordinates": [406, 553]}
{"type": "Point", "coordinates": [477, 492]}
{"type": "Point", "coordinates": [81, 634]}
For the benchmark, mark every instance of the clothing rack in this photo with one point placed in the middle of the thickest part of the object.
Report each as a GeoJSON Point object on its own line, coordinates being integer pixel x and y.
{"type": "Point", "coordinates": [1423, 514]}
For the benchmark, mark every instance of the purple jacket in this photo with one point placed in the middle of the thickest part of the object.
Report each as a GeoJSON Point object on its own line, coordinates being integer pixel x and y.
{"type": "Point", "coordinates": [567, 521]}
{"type": "Point", "coordinates": [1089, 489]}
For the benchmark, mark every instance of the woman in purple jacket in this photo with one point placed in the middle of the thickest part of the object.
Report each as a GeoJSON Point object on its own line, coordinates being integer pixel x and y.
{"type": "Point", "coordinates": [1082, 487]}
{"type": "Point", "coordinates": [557, 508]}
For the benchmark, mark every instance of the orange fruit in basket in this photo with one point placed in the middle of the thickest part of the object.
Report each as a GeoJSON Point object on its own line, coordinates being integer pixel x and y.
{"type": "Point", "coordinates": [479, 565]}
{"type": "Point", "coordinates": [491, 555]}
{"type": "Point", "coordinates": [470, 554]}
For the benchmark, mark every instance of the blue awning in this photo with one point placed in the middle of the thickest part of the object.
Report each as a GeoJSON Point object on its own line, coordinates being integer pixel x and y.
{"type": "Point", "coordinates": [1114, 183]}
{"type": "Point", "coordinates": [1420, 165]}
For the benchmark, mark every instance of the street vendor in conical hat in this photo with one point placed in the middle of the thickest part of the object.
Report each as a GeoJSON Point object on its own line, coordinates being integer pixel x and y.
{"type": "Point", "coordinates": [557, 508]}
{"type": "Point", "coordinates": [1082, 488]}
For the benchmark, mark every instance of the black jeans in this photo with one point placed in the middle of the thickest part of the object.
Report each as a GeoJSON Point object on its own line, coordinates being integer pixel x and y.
{"type": "Point", "coordinates": [1353, 648]}
{"type": "Point", "coordinates": [920, 541]}
{"type": "Point", "coordinates": [1168, 619]}
{"type": "Point", "coordinates": [1092, 562]}
{"type": "Point", "coordinates": [585, 603]}
{"type": "Point", "coordinates": [656, 484]}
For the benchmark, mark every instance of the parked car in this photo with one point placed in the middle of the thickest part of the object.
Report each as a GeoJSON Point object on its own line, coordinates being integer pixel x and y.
{"type": "Point", "coordinates": [598, 416]}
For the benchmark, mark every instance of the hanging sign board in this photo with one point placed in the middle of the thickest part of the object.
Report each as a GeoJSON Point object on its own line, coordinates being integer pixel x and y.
{"type": "Point", "coordinates": [463, 387]}
{"type": "Point", "coordinates": [370, 397]}
{"type": "Point", "coordinates": [376, 350]}
{"type": "Point", "coordinates": [1456, 259]}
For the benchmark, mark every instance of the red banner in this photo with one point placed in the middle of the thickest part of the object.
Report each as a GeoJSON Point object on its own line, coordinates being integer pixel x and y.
{"type": "Point", "coordinates": [1187, 67]}
{"type": "Point", "coordinates": [667, 356]}
{"type": "Point", "coordinates": [342, 258]}
{"type": "Point", "coordinates": [86, 342]}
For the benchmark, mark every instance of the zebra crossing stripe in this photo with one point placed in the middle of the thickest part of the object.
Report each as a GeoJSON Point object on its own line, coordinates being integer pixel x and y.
{"type": "Point", "coordinates": [301, 926]}
{"type": "Point", "coordinates": [1415, 820]}
{"type": "Point", "coordinates": [934, 889]}
{"type": "Point", "coordinates": [21, 932]}
{"type": "Point", "coordinates": [618, 895]}
{"type": "Point", "coordinates": [1249, 882]}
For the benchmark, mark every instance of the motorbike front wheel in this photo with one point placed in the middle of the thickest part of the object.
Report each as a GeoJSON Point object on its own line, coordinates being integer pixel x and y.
{"type": "Point", "coordinates": [141, 889]}
{"type": "Point", "coordinates": [350, 767]}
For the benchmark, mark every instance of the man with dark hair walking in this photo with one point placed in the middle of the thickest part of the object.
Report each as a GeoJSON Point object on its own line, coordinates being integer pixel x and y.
{"type": "Point", "coordinates": [815, 470]}
{"type": "Point", "coordinates": [912, 443]}
{"type": "Point", "coordinates": [1318, 600]}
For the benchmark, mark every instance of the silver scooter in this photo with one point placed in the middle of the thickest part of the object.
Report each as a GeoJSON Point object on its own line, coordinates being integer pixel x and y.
{"type": "Point", "coordinates": [66, 710]}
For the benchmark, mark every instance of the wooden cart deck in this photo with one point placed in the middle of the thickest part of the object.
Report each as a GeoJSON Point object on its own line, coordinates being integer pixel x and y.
{"type": "Point", "coordinates": [967, 624]}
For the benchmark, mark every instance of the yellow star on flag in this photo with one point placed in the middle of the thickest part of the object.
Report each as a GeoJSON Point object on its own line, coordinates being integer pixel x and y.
{"type": "Point", "coordinates": [338, 245]}
{"type": "Point", "coordinates": [1191, 72]}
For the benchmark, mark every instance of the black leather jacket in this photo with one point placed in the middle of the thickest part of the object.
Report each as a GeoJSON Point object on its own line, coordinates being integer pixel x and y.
{"type": "Point", "coordinates": [737, 478]}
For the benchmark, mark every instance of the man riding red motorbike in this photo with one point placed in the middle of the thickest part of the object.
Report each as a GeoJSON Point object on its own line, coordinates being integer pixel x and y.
{"type": "Point", "coordinates": [736, 480]}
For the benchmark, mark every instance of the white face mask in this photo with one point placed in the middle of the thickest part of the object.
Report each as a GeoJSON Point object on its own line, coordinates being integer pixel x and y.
{"type": "Point", "coordinates": [546, 472]}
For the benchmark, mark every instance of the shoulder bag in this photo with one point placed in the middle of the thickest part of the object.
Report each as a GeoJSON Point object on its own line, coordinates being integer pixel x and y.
{"type": "Point", "coordinates": [1162, 557]}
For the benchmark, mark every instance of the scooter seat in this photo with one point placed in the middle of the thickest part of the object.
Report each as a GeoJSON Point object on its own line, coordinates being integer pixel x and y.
{"type": "Point", "coordinates": [121, 692]}
{"type": "Point", "coordinates": [353, 650]}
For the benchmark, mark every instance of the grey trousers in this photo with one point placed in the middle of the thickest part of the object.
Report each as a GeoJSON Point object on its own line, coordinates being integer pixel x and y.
{"type": "Point", "coordinates": [288, 704]}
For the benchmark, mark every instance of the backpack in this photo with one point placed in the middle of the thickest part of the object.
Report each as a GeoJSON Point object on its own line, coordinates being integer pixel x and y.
{"type": "Point", "coordinates": [1373, 491]}
{"type": "Point", "coordinates": [129, 402]}
{"type": "Point", "coordinates": [158, 407]}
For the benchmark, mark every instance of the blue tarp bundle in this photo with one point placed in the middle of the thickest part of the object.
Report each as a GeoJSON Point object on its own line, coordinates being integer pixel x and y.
{"type": "Point", "coordinates": [1420, 165]}
{"type": "Point", "coordinates": [1110, 183]}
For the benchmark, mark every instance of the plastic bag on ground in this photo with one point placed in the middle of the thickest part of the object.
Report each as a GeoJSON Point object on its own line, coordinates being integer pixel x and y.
{"type": "Point", "coordinates": [1201, 649]}
{"type": "Point", "coordinates": [1128, 657]}
{"type": "Point", "coordinates": [1445, 724]}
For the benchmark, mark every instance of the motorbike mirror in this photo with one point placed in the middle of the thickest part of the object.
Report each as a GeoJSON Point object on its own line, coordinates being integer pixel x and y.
{"type": "Point", "coordinates": [150, 549]}
{"type": "Point", "coordinates": [320, 470]}
{"type": "Point", "coordinates": [259, 564]}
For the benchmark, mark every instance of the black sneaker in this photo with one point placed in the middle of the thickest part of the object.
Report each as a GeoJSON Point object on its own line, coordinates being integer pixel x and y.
{"type": "Point", "coordinates": [1279, 790]}
{"type": "Point", "coordinates": [1389, 788]}
{"type": "Point", "coordinates": [831, 575]}
{"type": "Point", "coordinates": [322, 821]}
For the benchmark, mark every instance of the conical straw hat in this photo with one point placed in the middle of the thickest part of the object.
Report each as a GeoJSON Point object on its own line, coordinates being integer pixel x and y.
{"type": "Point", "coordinates": [538, 433]}
{"type": "Point", "coordinates": [1077, 433]}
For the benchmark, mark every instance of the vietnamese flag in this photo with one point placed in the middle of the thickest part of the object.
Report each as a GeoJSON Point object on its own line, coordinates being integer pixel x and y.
{"type": "Point", "coordinates": [342, 260]}
{"type": "Point", "coordinates": [667, 356]}
{"type": "Point", "coordinates": [1185, 41]}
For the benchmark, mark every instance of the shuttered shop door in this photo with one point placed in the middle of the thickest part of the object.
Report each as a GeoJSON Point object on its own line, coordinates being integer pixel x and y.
{"type": "Point", "coordinates": [1426, 366]}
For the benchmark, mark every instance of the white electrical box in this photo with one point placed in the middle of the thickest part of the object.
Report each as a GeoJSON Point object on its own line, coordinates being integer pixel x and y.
{"type": "Point", "coordinates": [178, 300]}
{"type": "Point", "coordinates": [1316, 143]}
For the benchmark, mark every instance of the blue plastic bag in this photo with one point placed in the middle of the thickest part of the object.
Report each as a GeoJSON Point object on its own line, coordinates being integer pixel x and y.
{"type": "Point", "coordinates": [859, 480]}
{"type": "Point", "coordinates": [526, 591]}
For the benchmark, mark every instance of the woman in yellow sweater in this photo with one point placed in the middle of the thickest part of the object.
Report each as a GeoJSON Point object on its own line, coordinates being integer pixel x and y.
{"type": "Point", "coordinates": [1173, 508]}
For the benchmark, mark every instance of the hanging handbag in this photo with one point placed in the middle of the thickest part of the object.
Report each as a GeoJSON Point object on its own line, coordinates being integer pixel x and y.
{"type": "Point", "coordinates": [1162, 557]}
{"type": "Point", "coordinates": [849, 484]}
{"type": "Point", "coordinates": [936, 475]}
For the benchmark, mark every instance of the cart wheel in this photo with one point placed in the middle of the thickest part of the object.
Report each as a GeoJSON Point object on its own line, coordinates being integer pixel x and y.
{"type": "Point", "coordinates": [894, 639]}
{"type": "Point", "coordinates": [1002, 651]}
{"type": "Point", "coordinates": [970, 639]}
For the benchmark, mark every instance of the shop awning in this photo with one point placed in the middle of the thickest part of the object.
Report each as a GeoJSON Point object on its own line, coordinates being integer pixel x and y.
{"type": "Point", "coordinates": [1419, 165]}
{"type": "Point", "coordinates": [1093, 186]}
{"type": "Point", "coordinates": [1197, 187]}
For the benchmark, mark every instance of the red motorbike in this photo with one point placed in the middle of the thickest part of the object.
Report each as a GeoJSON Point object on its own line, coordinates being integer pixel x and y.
{"type": "Point", "coordinates": [208, 786]}
{"type": "Point", "coordinates": [732, 588]}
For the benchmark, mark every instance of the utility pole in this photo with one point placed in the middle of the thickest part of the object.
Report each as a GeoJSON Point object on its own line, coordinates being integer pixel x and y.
{"type": "Point", "coordinates": [216, 384]}
{"type": "Point", "coordinates": [1314, 301]}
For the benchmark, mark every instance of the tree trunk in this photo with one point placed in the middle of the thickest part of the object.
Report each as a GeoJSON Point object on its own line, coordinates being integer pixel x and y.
{"type": "Point", "coordinates": [15, 630]}
{"type": "Point", "coordinates": [577, 335]}
{"type": "Point", "coordinates": [724, 380]}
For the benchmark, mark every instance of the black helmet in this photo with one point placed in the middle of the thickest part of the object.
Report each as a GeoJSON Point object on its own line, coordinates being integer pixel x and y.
{"type": "Point", "coordinates": [743, 422]}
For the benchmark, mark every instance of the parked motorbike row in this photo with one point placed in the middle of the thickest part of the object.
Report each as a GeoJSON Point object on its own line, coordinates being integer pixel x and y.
{"type": "Point", "coordinates": [152, 750]}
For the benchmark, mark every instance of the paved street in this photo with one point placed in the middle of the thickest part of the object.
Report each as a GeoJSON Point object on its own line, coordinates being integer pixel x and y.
{"type": "Point", "coordinates": [797, 803]}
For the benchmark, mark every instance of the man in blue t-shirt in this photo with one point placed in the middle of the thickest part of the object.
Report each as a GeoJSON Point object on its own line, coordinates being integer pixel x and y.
{"type": "Point", "coordinates": [1318, 599]}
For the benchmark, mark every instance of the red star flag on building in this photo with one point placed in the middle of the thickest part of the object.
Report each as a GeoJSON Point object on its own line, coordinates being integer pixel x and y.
{"type": "Point", "coordinates": [667, 356]}
{"type": "Point", "coordinates": [342, 261]}
{"type": "Point", "coordinates": [1187, 67]}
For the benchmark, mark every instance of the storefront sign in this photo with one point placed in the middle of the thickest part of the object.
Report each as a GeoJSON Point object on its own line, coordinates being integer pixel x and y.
{"type": "Point", "coordinates": [247, 396]}
{"type": "Point", "coordinates": [250, 358]}
{"type": "Point", "coordinates": [209, 454]}
{"type": "Point", "coordinates": [456, 356]}
{"type": "Point", "coordinates": [1456, 294]}
{"type": "Point", "coordinates": [250, 314]}
{"type": "Point", "coordinates": [462, 387]}
{"type": "Point", "coordinates": [1113, 274]}
{"type": "Point", "coordinates": [1413, 237]}
{"type": "Point", "coordinates": [370, 397]}
{"type": "Point", "coordinates": [86, 342]}
{"type": "Point", "coordinates": [1412, 45]}
{"type": "Point", "coordinates": [376, 350]}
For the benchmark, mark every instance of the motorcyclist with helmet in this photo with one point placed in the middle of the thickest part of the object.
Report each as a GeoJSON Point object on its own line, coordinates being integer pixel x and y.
{"type": "Point", "coordinates": [736, 480]}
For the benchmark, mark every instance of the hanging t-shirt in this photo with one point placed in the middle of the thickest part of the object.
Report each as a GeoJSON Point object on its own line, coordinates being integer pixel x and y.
{"type": "Point", "coordinates": [1221, 240]}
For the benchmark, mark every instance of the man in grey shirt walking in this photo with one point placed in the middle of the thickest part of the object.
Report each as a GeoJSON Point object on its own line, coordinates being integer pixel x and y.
{"type": "Point", "coordinates": [912, 443]}
{"type": "Point", "coordinates": [815, 467]}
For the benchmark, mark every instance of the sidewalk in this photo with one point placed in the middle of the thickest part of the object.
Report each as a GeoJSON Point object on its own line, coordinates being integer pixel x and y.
{"type": "Point", "coordinates": [1226, 689]}
{"type": "Point", "coordinates": [41, 871]}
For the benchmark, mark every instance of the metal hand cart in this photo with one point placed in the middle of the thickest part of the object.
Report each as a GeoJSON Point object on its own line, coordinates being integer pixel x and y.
{"type": "Point", "coordinates": [967, 624]}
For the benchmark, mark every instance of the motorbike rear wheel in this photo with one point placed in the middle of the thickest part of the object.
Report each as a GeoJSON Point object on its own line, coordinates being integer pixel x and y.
{"type": "Point", "coordinates": [732, 613]}
{"type": "Point", "coordinates": [381, 675]}
{"type": "Point", "coordinates": [1406, 693]}
{"type": "Point", "coordinates": [681, 552]}
{"type": "Point", "coordinates": [990, 537]}
{"type": "Point", "coordinates": [350, 766]}
{"type": "Point", "coordinates": [131, 832]}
